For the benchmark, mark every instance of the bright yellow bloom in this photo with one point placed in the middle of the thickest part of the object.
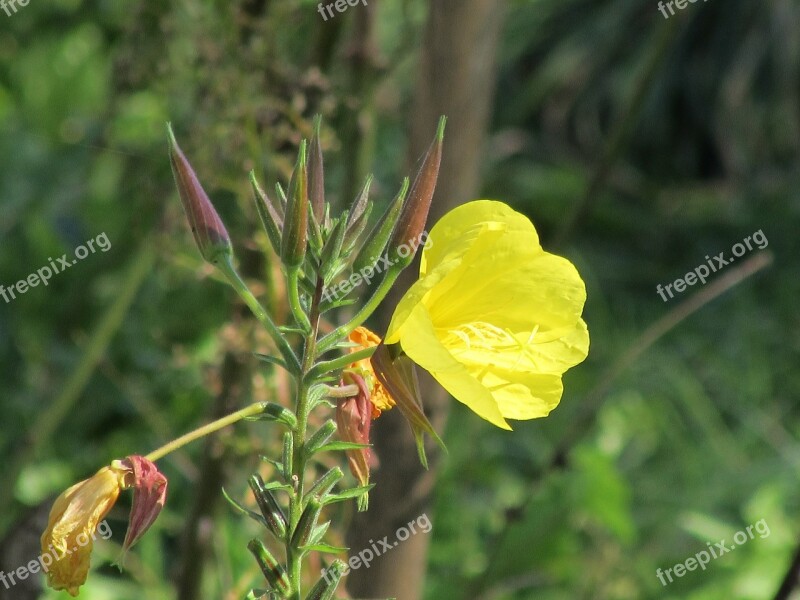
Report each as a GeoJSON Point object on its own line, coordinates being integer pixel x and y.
{"type": "Point", "coordinates": [493, 317]}
{"type": "Point", "coordinates": [380, 398]}
{"type": "Point", "coordinates": [72, 524]}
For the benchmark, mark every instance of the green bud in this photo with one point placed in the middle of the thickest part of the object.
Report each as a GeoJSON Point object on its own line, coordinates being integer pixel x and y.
{"type": "Point", "coordinates": [269, 507]}
{"type": "Point", "coordinates": [295, 228]}
{"type": "Point", "coordinates": [414, 215]}
{"type": "Point", "coordinates": [207, 228]}
{"type": "Point", "coordinates": [316, 174]}
{"type": "Point", "coordinates": [269, 215]}
{"type": "Point", "coordinates": [379, 236]}
{"type": "Point", "coordinates": [273, 571]}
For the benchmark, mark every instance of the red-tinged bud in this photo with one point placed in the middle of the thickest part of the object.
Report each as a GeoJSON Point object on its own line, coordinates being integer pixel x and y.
{"type": "Point", "coordinates": [295, 227]}
{"type": "Point", "coordinates": [209, 232]}
{"type": "Point", "coordinates": [316, 174]}
{"type": "Point", "coordinates": [149, 495]}
{"type": "Point", "coordinates": [415, 212]}
{"type": "Point", "coordinates": [353, 419]}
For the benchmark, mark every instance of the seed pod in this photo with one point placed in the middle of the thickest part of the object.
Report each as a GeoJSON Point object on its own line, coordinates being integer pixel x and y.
{"type": "Point", "coordinates": [295, 227]}
{"type": "Point", "coordinates": [324, 484]}
{"type": "Point", "coordinates": [320, 437]}
{"type": "Point", "coordinates": [273, 571]}
{"type": "Point", "coordinates": [415, 212]}
{"type": "Point", "coordinates": [270, 509]}
{"type": "Point", "coordinates": [288, 454]}
{"type": "Point", "coordinates": [207, 228]}
{"type": "Point", "coordinates": [377, 238]}
{"type": "Point", "coordinates": [326, 586]}
{"type": "Point", "coordinates": [306, 524]}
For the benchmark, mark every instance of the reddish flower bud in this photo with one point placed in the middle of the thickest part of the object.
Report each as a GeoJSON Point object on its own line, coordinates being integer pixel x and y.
{"type": "Point", "coordinates": [415, 212]}
{"type": "Point", "coordinates": [295, 226]}
{"type": "Point", "coordinates": [316, 174]}
{"type": "Point", "coordinates": [209, 232]}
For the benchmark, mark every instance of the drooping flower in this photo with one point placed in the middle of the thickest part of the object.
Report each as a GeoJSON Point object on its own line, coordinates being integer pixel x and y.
{"type": "Point", "coordinates": [493, 317]}
{"type": "Point", "coordinates": [69, 537]}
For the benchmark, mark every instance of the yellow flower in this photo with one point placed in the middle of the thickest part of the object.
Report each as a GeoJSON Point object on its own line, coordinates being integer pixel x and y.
{"type": "Point", "coordinates": [493, 317]}
{"type": "Point", "coordinates": [378, 396]}
{"type": "Point", "coordinates": [72, 524]}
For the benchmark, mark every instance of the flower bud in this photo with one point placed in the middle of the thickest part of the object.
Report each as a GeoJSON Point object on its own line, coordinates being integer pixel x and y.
{"type": "Point", "coordinates": [316, 174]}
{"type": "Point", "coordinates": [295, 227]}
{"type": "Point", "coordinates": [415, 212]}
{"type": "Point", "coordinates": [269, 215]}
{"type": "Point", "coordinates": [377, 238]}
{"type": "Point", "coordinates": [209, 232]}
{"type": "Point", "coordinates": [273, 571]}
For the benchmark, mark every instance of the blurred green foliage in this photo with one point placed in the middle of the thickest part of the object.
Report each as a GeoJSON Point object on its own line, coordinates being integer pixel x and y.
{"type": "Point", "coordinates": [693, 442]}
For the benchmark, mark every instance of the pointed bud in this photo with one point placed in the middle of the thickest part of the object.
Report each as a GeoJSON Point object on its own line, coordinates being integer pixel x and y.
{"type": "Point", "coordinates": [269, 507]}
{"type": "Point", "coordinates": [379, 236]}
{"type": "Point", "coordinates": [209, 232]}
{"type": "Point", "coordinates": [326, 586]}
{"type": "Point", "coordinates": [396, 372]}
{"type": "Point", "coordinates": [316, 174]}
{"type": "Point", "coordinates": [268, 213]}
{"type": "Point", "coordinates": [295, 229]}
{"type": "Point", "coordinates": [149, 495]}
{"type": "Point", "coordinates": [320, 437]}
{"type": "Point", "coordinates": [273, 571]}
{"type": "Point", "coordinates": [324, 484]}
{"type": "Point", "coordinates": [415, 212]}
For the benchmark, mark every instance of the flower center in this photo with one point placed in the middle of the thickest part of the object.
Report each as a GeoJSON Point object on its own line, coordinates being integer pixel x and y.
{"type": "Point", "coordinates": [482, 337]}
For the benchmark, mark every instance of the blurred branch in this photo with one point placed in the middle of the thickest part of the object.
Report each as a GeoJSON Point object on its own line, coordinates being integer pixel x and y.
{"type": "Point", "coordinates": [49, 420]}
{"type": "Point", "coordinates": [591, 405]}
{"type": "Point", "coordinates": [621, 131]}
{"type": "Point", "coordinates": [791, 580]}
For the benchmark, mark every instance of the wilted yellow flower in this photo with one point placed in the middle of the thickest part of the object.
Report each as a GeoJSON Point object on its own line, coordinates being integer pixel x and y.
{"type": "Point", "coordinates": [73, 521]}
{"type": "Point", "coordinates": [69, 538]}
{"type": "Point", "coordinates": [378, 396]}
{"type": "Point", "coordinates": [493, 317]}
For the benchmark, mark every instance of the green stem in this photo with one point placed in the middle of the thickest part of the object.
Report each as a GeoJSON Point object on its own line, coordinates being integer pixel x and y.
{"type": "Point", "coordinates": [294, 558]}
{"type": "Point", "coordinates": [333, 338]}
{"type": "Point", "coordinates": [200, 432]}
{"type": "Point", "coordinates": [260, 313]}
{"type": "Point", "coordinates": [340, 362]}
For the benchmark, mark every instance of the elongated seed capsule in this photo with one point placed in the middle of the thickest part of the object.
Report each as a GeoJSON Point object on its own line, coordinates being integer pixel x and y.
{"type": "Point", "coordinates": [324, 484]}
{"type": "Point", "coordinates": [306, 524]}
{"type": "Point", "coordinates": [320, 437]}
{"type": "Point", "coordinates": [326, 586]}
{"type": "Point", "coordinates": [288, 453]}
{"type": "Point", "coordinates": [269, 507]}
{"type": "Point", "coordinates": [273, 571]}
